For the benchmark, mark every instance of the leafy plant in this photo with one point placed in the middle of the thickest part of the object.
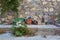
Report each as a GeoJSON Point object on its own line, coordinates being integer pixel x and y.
{"type": "Point", "coordinates": [21, 30]}
{"type": "Point", "coordinates": [10, 5]}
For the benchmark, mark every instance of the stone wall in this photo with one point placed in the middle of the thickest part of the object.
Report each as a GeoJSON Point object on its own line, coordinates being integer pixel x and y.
{"type": "Point", "coordinates": [38, 7]}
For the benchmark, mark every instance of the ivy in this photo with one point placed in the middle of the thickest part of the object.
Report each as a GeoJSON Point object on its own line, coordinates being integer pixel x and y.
{"type": "Point", "coordinates": [8, 5]}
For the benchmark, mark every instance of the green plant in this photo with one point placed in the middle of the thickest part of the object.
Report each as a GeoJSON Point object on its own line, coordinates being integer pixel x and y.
{"type": "Point", "coordinates": [18, 31]}
{"type": "Point", "coordinates": [10, 5]}
{"type": "Point", "coordinates": [19, 27]}
{"type": "Point", "coordinates": [21, 30]}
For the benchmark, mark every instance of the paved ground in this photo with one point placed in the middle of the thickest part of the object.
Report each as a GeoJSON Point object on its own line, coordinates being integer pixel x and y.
{"type": "Point", "coordinates": [8, 36]}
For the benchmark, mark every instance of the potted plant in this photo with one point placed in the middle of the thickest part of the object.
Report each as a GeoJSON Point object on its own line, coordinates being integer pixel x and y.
{"type": "Point", "coordinates": [20, 29]}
